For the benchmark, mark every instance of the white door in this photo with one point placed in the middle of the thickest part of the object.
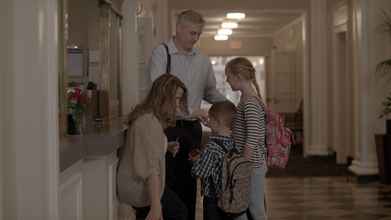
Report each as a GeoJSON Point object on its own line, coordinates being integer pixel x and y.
{"type": "Point", "coordinates": [281, 82]}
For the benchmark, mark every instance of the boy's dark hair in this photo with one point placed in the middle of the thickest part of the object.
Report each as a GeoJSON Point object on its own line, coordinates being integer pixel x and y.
{"type": "Point", "coordinates": [223, 112]}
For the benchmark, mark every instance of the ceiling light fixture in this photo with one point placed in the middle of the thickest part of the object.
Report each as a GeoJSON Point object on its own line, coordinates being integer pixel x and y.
{"type": "Point", "coordinates": [224, 31]}
{"type": "Point", "coordinates": [221, 37]}
{"type": "Point", "coordinates": [229, 24]}
{"type": "Point", "coordinates": [236, 15]}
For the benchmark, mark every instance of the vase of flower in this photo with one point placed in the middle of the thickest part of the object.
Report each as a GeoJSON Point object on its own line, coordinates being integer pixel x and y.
{"type": "Point", "coordinates": [76, 108]}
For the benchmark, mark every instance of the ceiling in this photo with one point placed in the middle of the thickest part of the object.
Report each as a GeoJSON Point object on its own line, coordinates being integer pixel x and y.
{"type": "Point", "coordinates": [258, 23]}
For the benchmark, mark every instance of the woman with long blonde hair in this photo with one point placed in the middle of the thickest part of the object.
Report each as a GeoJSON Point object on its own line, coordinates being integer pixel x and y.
{"type": "Point", "coordinates": [141, 172]}
{"type": "Point", "coordinates": [249, 129]}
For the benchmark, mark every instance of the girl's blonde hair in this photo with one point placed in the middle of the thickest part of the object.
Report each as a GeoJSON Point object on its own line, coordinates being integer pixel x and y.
{"type": "Point", "coordinates": [241, 66]}
{"type": "Point", "coordinates": [161, 100]}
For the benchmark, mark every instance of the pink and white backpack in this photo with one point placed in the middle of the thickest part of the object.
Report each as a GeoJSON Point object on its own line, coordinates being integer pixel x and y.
{"type": "Point", "coordinates": [278, 139]}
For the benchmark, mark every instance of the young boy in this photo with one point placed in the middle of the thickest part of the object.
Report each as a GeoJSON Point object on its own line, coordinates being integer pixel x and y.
{"type": "Point", "coordinates": [209, 164]}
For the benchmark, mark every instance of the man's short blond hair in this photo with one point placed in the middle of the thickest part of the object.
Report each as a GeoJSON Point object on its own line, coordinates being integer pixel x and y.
{"type": "Point", "coordinates": [191, 17]}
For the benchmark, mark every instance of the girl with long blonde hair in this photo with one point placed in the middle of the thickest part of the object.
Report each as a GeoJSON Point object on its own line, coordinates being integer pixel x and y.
{"type": "Point", "coordinates": [249, 129]}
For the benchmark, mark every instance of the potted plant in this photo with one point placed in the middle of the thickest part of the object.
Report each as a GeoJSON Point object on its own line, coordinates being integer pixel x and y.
{"type": "Point", "coordinates": [384, 68]}
{"type": "Point", "coordinates": [383, 142]}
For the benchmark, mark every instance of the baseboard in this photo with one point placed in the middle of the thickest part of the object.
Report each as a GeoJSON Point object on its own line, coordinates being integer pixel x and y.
{"type": "Point", "coordinates": [365, 179]}
{"type": "Point", "coordinates": [317, 152]}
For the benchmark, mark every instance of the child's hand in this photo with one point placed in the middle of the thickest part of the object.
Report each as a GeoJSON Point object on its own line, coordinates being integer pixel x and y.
{"type": "Point", "coordinates": [173, 147]}
{"type": "Point", "coordinates": [194, 155]}
{"type": "Point", "coordinates": [247, 153]}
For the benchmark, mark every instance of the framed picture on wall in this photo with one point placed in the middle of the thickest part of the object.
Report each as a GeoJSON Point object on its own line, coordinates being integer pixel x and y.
{"type": "Point", "coordinates": [76, 65]}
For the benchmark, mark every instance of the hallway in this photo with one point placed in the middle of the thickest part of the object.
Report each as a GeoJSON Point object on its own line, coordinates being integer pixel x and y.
{"type": "Point", "coordinates": [324, 198]}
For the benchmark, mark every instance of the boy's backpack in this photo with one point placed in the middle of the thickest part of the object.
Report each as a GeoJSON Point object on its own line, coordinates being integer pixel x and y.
{"type": "Point", "coordinates": [278, 140]}
{"type": "Point", "coordinates": [234, 196]}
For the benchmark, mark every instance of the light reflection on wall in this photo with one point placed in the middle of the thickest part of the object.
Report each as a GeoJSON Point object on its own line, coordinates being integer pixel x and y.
{"type": "Point", "coordinates": [219, 63]}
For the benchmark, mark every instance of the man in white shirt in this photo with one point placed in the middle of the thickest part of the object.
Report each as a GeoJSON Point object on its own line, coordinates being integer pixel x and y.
{"type": "Point", "coordinates": [195, 71]}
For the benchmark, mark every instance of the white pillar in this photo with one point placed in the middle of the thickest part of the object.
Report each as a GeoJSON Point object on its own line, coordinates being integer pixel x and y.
{"type": "Point", "coordinates": [130, 59]}
{"type": "Point", "coordinates": [4, 60]}
{"type": "Point", "coordinates": [29, 96]}
{"type": "Point", "coordinates": [3, 69]}
{"type": "Point", "coordinates": [317, 88]}
{"type": "Point", "coordinates": [368, 49]}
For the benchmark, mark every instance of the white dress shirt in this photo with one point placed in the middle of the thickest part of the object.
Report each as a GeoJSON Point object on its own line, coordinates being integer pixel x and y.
{"type": "Point", "coordinates": [193, 69]}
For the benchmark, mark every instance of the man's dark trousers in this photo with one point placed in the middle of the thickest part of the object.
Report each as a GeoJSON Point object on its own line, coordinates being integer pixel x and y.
{"type": "Point", "coordinates": [178, 168]}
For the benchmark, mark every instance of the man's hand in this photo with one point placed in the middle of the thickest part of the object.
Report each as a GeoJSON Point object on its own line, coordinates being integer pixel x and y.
{"type": "Point", "coordinates": [202, 115]}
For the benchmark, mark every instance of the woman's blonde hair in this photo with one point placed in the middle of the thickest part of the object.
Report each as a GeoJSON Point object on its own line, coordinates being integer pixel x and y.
{"type": "Point", "coordinates": [161, 100]}
{"type": "Point", "coordinates": [241, 66]}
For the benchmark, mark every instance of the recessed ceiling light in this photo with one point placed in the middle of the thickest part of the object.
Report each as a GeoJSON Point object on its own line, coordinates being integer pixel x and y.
{"type": "Point", "coordinates": [236, 15]}
{"type": "Point", "coordinates": [229, 24]}
{"type": "Point", "coordinates": [221, 37]}
{"type": "Point", "coordinates": [224, 31]}
{"type": "Point", "coordinates": [261, 61]}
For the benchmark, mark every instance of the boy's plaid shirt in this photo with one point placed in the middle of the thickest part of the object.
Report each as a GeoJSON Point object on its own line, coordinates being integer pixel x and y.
{"type": "Point", "coordinates": [209, 165]}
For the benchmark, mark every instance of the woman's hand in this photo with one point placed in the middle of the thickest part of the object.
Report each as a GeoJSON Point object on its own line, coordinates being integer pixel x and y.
{"type": "Point", "coordinates": [173, 147]}
{"type": "Point", "coordinates": [155, 213]}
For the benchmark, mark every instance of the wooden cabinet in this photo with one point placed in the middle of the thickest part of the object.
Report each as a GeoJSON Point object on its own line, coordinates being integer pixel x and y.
{"type": "Point", "coordinates": [71, 193]}
{"type": "Point", "coordinates": [88, 189]}
{"type": "Point", "coordinates": [99, 194]}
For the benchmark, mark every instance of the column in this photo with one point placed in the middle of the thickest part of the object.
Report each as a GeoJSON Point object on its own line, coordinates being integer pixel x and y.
{"type": "Point", "coordinates": [316, 89]}
{"type": "Point", "coordinates": [368, 50]}
{"type": "Point", "coordinates": [29, 98]}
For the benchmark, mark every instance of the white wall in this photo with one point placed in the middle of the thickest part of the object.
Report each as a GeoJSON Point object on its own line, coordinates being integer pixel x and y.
{"type": "Point", "coordinates": [6, 187]}
{"type": "Point", "coordinates": [260, 46]}
{"type": "Point", "coordinates": [133, 59]}
{"type": "Point", "coordinates": [129, 73]}
{"type": "Point", "coordinates": [30, 152]}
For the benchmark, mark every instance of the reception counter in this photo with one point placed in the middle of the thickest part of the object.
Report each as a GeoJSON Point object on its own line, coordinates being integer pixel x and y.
{"type": "Point", "coordinates": [93, 143]}
{"type": "Point", "coordinates": [88, 165]}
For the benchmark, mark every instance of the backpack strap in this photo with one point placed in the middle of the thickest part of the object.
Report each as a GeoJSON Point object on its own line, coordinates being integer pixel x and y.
{"type": "Point", "coordinates": [168, 66]}
{"type": "Point", "coordinates": [221, 145]}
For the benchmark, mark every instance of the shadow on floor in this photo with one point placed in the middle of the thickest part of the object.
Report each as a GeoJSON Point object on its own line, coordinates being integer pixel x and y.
{"type": "Point", "coordinates": [299, 166]}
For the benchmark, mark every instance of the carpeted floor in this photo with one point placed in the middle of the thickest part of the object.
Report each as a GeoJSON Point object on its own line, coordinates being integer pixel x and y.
{"type": "Point", "coordinates": [298, 166]}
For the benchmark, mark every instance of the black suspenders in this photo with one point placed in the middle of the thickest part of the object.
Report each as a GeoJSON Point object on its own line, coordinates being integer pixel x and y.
{"type": "Point", "coordinates": [168, 66]}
